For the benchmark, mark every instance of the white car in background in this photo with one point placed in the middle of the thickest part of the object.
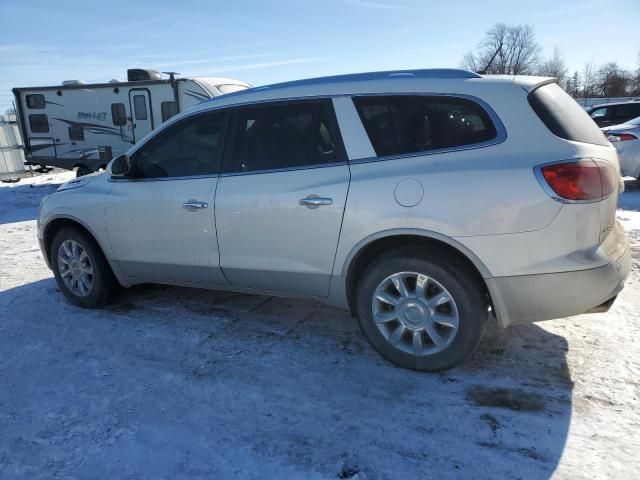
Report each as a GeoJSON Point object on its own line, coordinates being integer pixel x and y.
{"type": "Point", "coordinates": [626, 138]}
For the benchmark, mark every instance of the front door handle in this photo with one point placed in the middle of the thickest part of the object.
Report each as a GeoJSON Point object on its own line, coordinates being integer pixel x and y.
{"type": "Point", "coordinates": [314, 201]}
{"type": "Point", "coordinates": [193, 205]}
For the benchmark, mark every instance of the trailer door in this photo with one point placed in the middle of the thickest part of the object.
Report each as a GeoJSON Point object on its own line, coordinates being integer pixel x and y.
{"type": "Point", "coordinates": [141, 111]}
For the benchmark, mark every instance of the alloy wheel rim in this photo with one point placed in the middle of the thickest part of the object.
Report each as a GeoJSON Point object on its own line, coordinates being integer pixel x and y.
{"type": "Point", "coordinates": [415, 313]}
{"type": "Point", "coordinates": [75, 268]}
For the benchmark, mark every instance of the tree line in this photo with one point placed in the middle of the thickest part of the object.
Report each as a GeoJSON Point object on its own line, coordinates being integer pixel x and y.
{"type": "Point", "coordinates": [513, 50]}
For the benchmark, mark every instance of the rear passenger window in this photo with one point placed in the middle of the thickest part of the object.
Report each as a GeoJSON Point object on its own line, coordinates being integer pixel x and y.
{"type": "Point", "coordinates": [35, 101]}
{"type": "Point", "coordinates": [168, 110]}
{"type": "Point", "coordinates": [630, 110]}
{"type": "Point", "coordinates": [118, 114]}
{"type": "Point", "coordinates": [39, 123]}
{"type": "Point", "coordinates": [406, 124]}
{"type": "Point", "coordinates": [291, 135]}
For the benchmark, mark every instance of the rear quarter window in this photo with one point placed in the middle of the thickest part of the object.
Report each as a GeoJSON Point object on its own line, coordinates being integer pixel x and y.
{"type": "Point", "coordinates": [563, 116]}
{"type": "Point", "coordinates": [407, 124]}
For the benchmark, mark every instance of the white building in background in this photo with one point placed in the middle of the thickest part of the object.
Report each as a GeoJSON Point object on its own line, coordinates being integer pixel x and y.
{"type": "Point", "coordinates": [11, 153]}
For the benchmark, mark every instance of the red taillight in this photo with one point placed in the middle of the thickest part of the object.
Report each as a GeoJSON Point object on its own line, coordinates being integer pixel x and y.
{"type": "Point", "coordinates": [581, 180]}
{"type": "Point", "coordinates": [621, 137]}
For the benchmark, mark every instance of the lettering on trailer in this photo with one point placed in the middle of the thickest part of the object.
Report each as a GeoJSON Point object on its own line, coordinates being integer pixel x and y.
{"type": "Point", "coordinates": [102, 116]}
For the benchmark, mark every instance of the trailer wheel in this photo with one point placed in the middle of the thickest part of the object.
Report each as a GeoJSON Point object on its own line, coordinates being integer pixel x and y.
{"type": "Point", "coordinates": [82, 170]}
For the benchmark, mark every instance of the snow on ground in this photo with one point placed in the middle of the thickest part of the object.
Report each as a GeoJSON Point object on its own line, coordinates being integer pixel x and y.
{"type": "Point", "coordinates": [183, 383]}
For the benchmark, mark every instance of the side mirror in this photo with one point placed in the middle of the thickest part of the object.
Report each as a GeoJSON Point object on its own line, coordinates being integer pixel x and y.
{"type": "Point", "coordinates": [120, 166]}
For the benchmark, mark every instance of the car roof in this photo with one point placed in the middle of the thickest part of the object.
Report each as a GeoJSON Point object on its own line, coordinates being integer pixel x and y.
{"type": "Point", "coordinates": [612, 104]}
{"type": "Point", "coordinates": [368, 82]}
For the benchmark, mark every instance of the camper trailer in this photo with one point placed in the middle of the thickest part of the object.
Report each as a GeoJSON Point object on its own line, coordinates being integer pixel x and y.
{"type": "Point", "coordinates": [83, 126]}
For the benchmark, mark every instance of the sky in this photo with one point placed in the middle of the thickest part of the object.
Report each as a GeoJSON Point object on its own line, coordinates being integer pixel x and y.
{"type": "Point", "coordinates": [45, 42]}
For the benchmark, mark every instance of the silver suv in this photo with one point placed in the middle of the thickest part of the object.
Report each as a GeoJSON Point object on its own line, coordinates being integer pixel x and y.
{"type": "Point", "coordinates": [423, 201]}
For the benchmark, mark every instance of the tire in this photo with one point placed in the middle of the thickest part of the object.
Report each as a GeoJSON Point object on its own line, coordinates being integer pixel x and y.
{"type": "Point", "coordinates": [451, 307]}
{"type": "Point", "coordinates": [98, 286]}
{"type": "Point", "coordinates": [82, 170]}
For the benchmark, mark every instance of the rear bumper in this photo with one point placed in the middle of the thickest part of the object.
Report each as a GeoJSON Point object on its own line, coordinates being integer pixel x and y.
{"type": "Point", "coordinates": [530, 298]}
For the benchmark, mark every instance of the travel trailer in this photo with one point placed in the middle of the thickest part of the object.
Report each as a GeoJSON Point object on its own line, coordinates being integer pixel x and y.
{"type": "Point", "coordinates": [83, 126]}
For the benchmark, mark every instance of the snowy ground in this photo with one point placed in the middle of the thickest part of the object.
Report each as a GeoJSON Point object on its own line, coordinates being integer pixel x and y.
{"type": "Point", "coordinates": [180, 383]}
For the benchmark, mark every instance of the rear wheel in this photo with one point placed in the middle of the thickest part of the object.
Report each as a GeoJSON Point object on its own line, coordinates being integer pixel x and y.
{"type": "Point", "coordinates": [421, 311]}
{"type": "Point", "coordinates": [81, 271]}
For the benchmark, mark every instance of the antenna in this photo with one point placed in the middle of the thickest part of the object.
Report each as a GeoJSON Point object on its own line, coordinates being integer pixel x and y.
{"type": "Point", "coordinates": [484, 70]}
{"type": "Point", "coordinates": [172, 75]}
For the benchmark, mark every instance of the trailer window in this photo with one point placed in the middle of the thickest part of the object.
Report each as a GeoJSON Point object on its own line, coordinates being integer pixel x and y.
{"type": "Point", "coordinates": [76, 134]}
{"type": "Point", "coordinates": [168, 110]}
{"type": "Point", "coordinates": [118, 114]}
{"type": "Point", "coordinates": [35, 101]}
{"type": "Point", "coordinates": [140, 107]}
{"type": "Point", "coordinates": [39, 123]}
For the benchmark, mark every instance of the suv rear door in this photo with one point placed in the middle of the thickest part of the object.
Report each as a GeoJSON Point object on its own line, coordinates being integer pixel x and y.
{"type": "Point", "coordinates": [280, 200]}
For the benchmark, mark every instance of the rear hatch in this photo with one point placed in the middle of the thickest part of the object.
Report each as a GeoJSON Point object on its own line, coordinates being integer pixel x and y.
{"type": "Point", "coordinates": [568, 121]}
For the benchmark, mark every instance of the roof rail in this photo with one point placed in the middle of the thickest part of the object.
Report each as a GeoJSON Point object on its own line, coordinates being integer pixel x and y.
{"type": "Point", "coordinates": [361, 77]}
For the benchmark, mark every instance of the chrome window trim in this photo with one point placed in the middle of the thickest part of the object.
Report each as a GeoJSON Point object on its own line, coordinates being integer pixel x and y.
{"type": "Point", "coordinates": [537, 171]}
{"type": "Point", "coordinates": [501, 132]}
{"type": "Point", "coordinates": [161, 179]}
{"type": "Point", "coordinates": [342, 163]}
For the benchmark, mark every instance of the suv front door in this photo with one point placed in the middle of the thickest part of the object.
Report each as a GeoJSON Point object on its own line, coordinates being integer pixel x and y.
{"type": "Point", "coordinates": [280, 202]}
{"type": "Point", "coordinates": [160, 219]}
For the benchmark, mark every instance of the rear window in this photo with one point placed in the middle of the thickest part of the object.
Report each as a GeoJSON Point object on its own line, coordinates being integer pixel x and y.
{"type": "Point", "coordinates": [405, 124]}
{"type": "Point", "coordinates": [563, 116]}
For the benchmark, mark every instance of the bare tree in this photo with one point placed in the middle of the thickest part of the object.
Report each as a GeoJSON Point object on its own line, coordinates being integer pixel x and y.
{"type": "Point", "coordinates": [589, 80]}
{"type": "Point", "coordinates": [554, 66]}
{"type": "Point", "coordinates": [506, 49]}
{"type": "Point", "coordinates": [613, 81]}
{"type": "Point", "coordinates": [573, 85]}
{"type": "Point", "coordinates": [634, 88]}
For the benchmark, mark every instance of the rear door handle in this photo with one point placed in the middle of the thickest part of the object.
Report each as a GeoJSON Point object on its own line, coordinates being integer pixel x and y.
{"type": "Point", "coordinates": [193, 205]}
{"type": "Point", "coordinates": [314, 201]}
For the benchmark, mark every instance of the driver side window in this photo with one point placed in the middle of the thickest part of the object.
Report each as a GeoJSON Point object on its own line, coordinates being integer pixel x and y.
{"type": "Point", "coordinates": [190, 147]}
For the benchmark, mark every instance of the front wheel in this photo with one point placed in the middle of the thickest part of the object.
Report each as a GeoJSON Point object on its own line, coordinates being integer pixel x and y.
{"type": "Point", "coordinates": [81, 270]}
{"type": "Point", "coordinates": [421, 311]}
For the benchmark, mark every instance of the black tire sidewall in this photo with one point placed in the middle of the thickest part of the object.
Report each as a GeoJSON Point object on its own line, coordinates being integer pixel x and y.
{"type": "Point", "coordinates": [461, 284]}
{"type": "Point", "coordinates": [102, 275]}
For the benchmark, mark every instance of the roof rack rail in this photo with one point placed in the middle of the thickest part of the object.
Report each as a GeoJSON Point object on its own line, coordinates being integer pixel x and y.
{"type": "Point", "coordinates": [366, 76]}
